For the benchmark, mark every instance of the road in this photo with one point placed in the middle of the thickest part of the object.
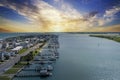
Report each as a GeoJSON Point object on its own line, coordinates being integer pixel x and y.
{"type": "Point", "coordinates": [8, 64]}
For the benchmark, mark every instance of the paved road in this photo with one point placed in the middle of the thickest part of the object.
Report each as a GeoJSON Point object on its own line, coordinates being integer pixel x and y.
{"type": "Point", "coordinates": [8, 64]}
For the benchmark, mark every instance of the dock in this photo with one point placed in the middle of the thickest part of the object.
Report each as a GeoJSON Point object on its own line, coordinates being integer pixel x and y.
{"type": "Point", "coordinates": [43, 63]}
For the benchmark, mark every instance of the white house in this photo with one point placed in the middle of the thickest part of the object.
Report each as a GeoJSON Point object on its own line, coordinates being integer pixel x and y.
{"type": "Point", "coordinates": [17, 44]}
{"type": "Point", "coordinates": [18, 48]}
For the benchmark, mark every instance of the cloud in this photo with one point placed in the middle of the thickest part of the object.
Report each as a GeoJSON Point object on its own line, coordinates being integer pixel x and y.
{"type": "Point", "coordinates": [93, 13]}
{"type": "Point", "coordinates": [110, 14]}
{"type": "Point", "coordinates": [95, 20]}
{"type": "Point", "coordinates": [113, 28]}
{"type": "Point", "coordinates": [47, 18]}
{"type": "Point", "coordinates": [4, 30]}
{"type": "Point", "coordinates": [44, 15]}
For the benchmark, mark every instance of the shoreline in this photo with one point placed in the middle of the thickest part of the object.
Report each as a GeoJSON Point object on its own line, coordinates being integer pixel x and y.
{"type": "Point", "coordinates": [14, 69]}
{"type": "Point", "coordinates": [11, 76]}
{"type": "Point", "coordinates": [115, 38]}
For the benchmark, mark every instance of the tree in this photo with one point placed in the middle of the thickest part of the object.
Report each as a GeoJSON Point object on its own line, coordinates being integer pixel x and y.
{"type": "Point", "coordinates": [29, 57]}
{"type": "Point", "coordinates": [7, 57]}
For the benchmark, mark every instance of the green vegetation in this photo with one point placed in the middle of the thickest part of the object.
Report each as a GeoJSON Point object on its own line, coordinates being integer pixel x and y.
{"type": "Point", "coordinates": [28, 57]}
{"type": "Point", "coordinates": [115, 38]}
{"type": "Point", "coordinates": [23, 61]}
{"type": "Point", "coordinates": [22, 51]}
{"type": "Point", "coordinates": [19, 65]}
{"type": "Point", "coordinates": [4, 78]}
{"type": "Point", "coordinates": [15, 68]}
{"type": "Point", "coordinates": [36, 51]}
{"type": "Point", "coordinates": [7, 57]}
{"type": "Point", "coordinates": [12, 71]}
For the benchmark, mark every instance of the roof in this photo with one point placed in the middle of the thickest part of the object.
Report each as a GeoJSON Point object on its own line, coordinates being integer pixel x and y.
{"type": "Point", "coordinates": [17, 48]}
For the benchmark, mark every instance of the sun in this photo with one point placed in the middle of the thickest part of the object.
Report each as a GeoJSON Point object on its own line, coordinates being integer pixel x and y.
{"type": "Point", "coordinates": [58, 28]}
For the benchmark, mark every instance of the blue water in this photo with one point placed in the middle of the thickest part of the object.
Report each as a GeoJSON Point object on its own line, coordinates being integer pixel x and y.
{"type": "Point", "coordinates": [85, 58]}
{"type": "Point", "coordinates": [6, 35]}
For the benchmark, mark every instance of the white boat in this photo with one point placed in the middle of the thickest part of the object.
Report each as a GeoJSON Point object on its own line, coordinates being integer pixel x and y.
{"type": "Point", "coordinates": [45, 73]}
{"type": "Point", "coordinates": [49, 68]}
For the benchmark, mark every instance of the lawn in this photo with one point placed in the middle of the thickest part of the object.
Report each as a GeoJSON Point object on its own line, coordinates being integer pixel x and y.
{"type": "Point", "coordinates": [19, 65]}
{"type": "Point", "coordinates": [4, 78]}
{"type": "Point", "coordinates": [15, 68]}
{"type": "Point", "coordinates": [12, 71]}
{"type": "Point", "coordinates": [22, 51]}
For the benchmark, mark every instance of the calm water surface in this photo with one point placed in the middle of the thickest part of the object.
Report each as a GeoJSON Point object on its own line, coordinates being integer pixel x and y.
{"type": "Point", "coordinates": [85, 58]}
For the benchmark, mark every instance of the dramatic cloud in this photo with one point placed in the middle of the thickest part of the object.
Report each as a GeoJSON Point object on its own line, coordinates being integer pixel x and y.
{"type": "Point", "coordinates": [113, 28]}
{"type": "Point", "coordinates": [47, 18]}
{"type": "Point", "coordinates": [110, 14]}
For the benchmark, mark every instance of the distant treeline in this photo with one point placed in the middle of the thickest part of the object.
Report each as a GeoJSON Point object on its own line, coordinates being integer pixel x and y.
{"type": "Point", "coordinates": [113, 37]}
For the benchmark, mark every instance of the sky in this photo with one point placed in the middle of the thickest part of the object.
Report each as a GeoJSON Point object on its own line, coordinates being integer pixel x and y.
{"type": "Point", "coordinates": [59, 15]}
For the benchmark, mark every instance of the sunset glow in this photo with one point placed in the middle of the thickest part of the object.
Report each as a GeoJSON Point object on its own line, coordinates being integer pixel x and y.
{"type": "Point", "coordinates": [59, 16]}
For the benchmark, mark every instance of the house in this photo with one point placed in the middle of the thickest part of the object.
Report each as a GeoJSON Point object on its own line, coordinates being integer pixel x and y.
{"type": "Point", "coordinates": [0, 46]}
{"type": "Point", "coordinates": [12, 53]}
{"type": "Point", "coordinates": [11, 45]}
{"type": "Point", "coordinates": [17, 44]}
{"type": "Point", "coordinates": [23, 44]}
{"type": "Point", "coordinates": [29, 45]}
{"type": "Point", "coordinates": [2, 58]}
{"type": "Point", "coordinates": [16, 49]}
{"type": "Point", "coordinates": [4, 45]}
{"type": "Point", "coordinates": [7, 45]}
{"type": "Point", "coordinates": [7, 54]}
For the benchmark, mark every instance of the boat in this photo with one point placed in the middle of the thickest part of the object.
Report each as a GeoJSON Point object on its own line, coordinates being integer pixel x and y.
{"type": "Point", "coordinates": [49, 68]}
{"type": "Point", "coordinates": [52, 58]}
{"type": "Point", "coordinates": [45, 73]}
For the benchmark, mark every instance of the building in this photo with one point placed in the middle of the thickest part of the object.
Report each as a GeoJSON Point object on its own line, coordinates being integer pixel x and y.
{"type": "Point", "coordinates": [16, 49]}
{"type": "Point", "coordinates": [2, 58]}
{"type": "Point", "coordinates": [0, 46]}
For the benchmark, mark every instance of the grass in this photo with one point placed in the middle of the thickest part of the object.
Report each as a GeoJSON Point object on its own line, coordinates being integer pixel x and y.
{"type": "Point", "coordinates": [4, 78]}
{"type": "Point", "coordinates": [36, 51]}
{"type": "Point", "coordinates": [12, 71]}
{"type": "Point", "coordinates": [22, 51]}
{"type": "Point", "coordinates": [15, 68]}
{"type": "Point", "coordinates": [19, 65]}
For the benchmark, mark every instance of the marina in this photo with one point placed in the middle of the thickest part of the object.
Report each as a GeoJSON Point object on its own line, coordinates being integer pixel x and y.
{"type": "Point", "coordinates": [81, 58]}
{"type": "Point", "coordinates": [74, 57]}
{"type": "Point", "coordinates": [42, 64]}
